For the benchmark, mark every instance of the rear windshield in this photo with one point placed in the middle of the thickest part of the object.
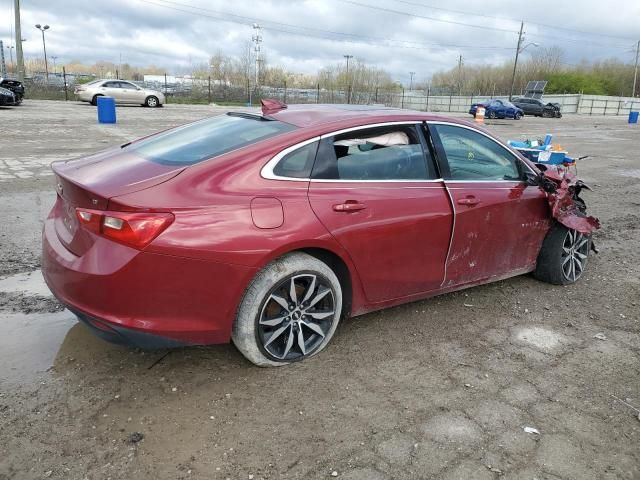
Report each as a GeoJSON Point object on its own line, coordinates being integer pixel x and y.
{"type": "Point", "coordinates": [207, 138]}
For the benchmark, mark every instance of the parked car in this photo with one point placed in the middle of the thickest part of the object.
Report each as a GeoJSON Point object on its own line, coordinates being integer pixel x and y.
{"type": "Point", "coordinates": [7, 97]}
{"type": "Point", "coordinates": [498, 109]}
{"type": "Point", "coordinates": [122, 91]}
{"type": "Point", "coordinates": [538, 108]}
{"type": "Point", "coordinates": [267, 229]}
{"type": "Point", "coordinates": [14, 86]}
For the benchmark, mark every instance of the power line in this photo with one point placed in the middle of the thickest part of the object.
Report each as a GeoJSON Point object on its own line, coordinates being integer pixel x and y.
{"type": "Point", "coordinates": [486, 27]}
{"type": "Point", "coordinates": [495, 17]}
{"type": "Point", "coordinates": [285, 28]}
{"type": "Point", "coordinates": [425, 17]}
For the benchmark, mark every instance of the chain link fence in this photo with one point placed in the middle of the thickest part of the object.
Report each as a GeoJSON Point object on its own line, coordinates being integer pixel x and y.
{"type": "Point", "coordinates": [207, 91]}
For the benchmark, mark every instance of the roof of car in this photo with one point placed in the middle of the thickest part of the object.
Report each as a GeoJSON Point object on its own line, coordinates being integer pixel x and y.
{"type": "Point", "coordinates": [319, 114]}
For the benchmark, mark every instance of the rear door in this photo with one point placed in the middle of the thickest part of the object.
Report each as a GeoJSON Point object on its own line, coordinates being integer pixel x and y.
{"type": "Point", "coordinates": [112, 89]}
{"type": "Point", "coordinates": [500, 221]}
{"type": "Point", "coordinates": [375, 189]}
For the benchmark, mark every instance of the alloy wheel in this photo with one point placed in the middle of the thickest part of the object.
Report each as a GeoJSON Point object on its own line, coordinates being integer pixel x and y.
{"type": "Point", "coordinates": [574, 254]}
{"type": "Point", "coordinates": [296, 317]}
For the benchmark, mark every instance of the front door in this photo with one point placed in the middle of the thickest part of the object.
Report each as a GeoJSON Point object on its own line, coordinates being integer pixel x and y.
{"type": "Point", "coordinates": [377, 193]}
{"type": "Point", "coordinates": [500, 221]}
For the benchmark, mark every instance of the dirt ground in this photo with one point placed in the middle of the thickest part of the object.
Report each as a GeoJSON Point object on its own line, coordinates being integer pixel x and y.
{"type": "Point", "coordinates": [442, 388]}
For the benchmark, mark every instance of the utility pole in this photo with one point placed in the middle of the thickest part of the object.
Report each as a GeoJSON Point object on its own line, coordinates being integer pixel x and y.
{"type": "Point", "coordinates": [19, 57]}
{"type": "Point", "coordinates": [411, 81]}
{"type": "Point", "coordinates": [460, 75]}
{"type": "Point", "coordinates": [3, 65]}
{"type": "Point", "coordinates": [635, 70]}
{"type": "Point", "coordinates": [257, 39]}
{"type": "Point", "coordinates": [515, 63]}
{"type": "Point", "coordinates": [348, 80]}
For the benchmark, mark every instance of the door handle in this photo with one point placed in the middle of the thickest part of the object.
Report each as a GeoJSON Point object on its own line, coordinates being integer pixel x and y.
{"type": "Point", "coordinates": [349, 206]}
{"type": "Point", "coordinates": [469, 201]}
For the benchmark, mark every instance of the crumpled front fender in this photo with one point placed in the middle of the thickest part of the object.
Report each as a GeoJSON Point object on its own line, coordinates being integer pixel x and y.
{"type": "Point", "coordinates": [563, 191]}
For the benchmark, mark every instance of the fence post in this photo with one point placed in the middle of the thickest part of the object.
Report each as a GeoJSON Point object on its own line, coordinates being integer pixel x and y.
{"type": "Point", "coordinates": [376, 101]}
{"type": "Point", "coordinates": [402, 97]}
{"type": "Point", "coordinates": [428, 94]}
{"type": "Point", "coordinates": [318, 93]}
{"type": "Point", "coordinates": [472, 99]}
{"type": "Point", "coordinates": [591, 109]}
{"type": "Point", "coordinates": [285, 92]}
{"type": "Point", "coordinates": [64, 79]}
{"type": "Point", "coordinates": [450, 94]}
{"type": "Point", "coordinates": [248, 91]}
{"type": "Point", "coordinates": [209, 92]}
{"type": "Point", "coordinates": [349, 94]}
{"type": "Point", "coordinates": [166, 94]}
{"type": "Point", "coordinates": [117, 74]}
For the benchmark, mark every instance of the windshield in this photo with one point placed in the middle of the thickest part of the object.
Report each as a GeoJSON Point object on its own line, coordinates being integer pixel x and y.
{"type": "Point", "coordinates": [207, 138]}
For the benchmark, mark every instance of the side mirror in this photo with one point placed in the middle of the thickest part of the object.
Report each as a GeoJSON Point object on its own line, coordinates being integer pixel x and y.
{"type": "Point", "coordinates": [532, 179]}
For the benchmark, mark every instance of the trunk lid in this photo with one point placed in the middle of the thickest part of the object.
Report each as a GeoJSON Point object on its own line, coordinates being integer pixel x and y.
{"type": "Point", "coordinates": [90, 182]}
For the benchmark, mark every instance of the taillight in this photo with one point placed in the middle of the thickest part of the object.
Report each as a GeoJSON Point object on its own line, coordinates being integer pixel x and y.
{"type": "Point", "coordinates": [134, 229]}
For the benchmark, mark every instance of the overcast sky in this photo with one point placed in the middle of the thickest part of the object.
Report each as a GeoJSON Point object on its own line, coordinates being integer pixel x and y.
{"type": "Point", "coordinates": [305, 35]}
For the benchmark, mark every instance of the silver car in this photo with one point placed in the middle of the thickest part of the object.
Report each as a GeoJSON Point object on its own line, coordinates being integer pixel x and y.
{"type": "Point", "coordinates": [121, 90]}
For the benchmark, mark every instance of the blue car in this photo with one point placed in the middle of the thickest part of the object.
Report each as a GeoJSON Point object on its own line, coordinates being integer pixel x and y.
{"type": "Point", "coordinates": [498, 109]}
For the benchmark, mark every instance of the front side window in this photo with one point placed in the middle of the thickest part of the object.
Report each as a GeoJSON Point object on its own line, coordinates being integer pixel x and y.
{"type": "Point", "coordinates": [473, 156]}
{"type": "Point", "coordinates": [207, 138]}
{"type": "Point", "coordinates": [381, 153]}
{"type": "Point", "coordinates": [112, 85]}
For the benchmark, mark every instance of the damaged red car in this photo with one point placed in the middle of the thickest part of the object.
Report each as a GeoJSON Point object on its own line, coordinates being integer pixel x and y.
{"type": "Point", "coordinates": [268, 228]}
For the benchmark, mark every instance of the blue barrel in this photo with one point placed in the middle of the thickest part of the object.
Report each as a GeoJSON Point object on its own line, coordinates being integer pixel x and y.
{"type": "Point", "coordinates": [633, 117]}
{"type": "Point", "coordinates": [106, 110]}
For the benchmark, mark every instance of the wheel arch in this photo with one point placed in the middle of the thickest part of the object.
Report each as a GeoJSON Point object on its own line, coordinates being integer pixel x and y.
{"type": "Point", "coordinates": [339, 262]}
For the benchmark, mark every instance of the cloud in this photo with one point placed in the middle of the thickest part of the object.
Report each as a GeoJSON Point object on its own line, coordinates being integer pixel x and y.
{"type": "Point", "coordinates": [305, 35]}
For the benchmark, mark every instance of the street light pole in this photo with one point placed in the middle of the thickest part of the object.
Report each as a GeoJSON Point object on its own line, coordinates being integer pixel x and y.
{"type": "Point", "coordinates": [42, 28]}
{"type": "Point", "coordinates": [635, 70]}
{"type": "Point", "coordinates": [10, 48]}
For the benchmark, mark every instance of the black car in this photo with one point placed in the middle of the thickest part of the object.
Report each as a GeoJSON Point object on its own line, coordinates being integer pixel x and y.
{"type": "Point", "coordinates": [14, 86]}
{"type": "Point", "coordinates": [536, 107]}
{"type": "Point", "coordinates": [6, 97]}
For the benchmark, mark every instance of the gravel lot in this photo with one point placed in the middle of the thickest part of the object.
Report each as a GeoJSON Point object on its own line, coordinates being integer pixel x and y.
{"type": "Point", "coordinates": [441, 388]}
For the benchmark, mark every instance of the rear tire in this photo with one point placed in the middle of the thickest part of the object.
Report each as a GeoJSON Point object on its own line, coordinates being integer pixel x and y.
{"type": "Point", "coordinates": [517, 116]}
{"type": "Point", "coordinates": [563, 256]}
{"type": "Point", "coordinates": [272, 334]}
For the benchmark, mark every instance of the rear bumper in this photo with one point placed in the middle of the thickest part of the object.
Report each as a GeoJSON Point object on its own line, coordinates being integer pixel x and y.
{"type": "Point", "coordinates": [144, 299]}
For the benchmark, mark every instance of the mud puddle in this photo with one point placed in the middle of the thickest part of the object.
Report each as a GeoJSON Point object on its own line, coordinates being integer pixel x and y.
{"type": "Point", "coordinates": [30, 343]}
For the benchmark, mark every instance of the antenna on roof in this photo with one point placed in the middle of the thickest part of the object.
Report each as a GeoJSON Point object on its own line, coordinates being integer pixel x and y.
{"type": "Point", "coordinates": [269, 106]}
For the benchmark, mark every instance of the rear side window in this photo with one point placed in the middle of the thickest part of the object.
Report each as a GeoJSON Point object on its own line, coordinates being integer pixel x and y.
{"type": "Point", "coordinates": [297, 164]}
{"type": "Point", "coordinates": [382, 153]}
{"type": "Point", "coordinates": [207, 138]}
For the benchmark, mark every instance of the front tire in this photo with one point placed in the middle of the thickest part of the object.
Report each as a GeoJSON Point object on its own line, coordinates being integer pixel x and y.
{"type": "Point", "coordinates": [94, 100]}
{"type": "Point", "coordinates": [493, 115]}
{"type": "Point", "coordinates": [517, 116]}
{"type": "Point", "coordinates": [289, 312]}
{"type": "Point", "coordinates": [152, 101]}
{"type": "Point", "coordinates": [563, 256]}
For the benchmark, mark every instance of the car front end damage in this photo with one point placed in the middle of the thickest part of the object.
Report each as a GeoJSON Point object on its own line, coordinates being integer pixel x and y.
{"type": "Point", "coordinates": [567, 207]}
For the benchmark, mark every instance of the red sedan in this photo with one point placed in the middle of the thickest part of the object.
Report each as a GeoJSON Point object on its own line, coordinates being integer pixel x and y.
{"type": "Point", "coordinates": [269, 228]}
